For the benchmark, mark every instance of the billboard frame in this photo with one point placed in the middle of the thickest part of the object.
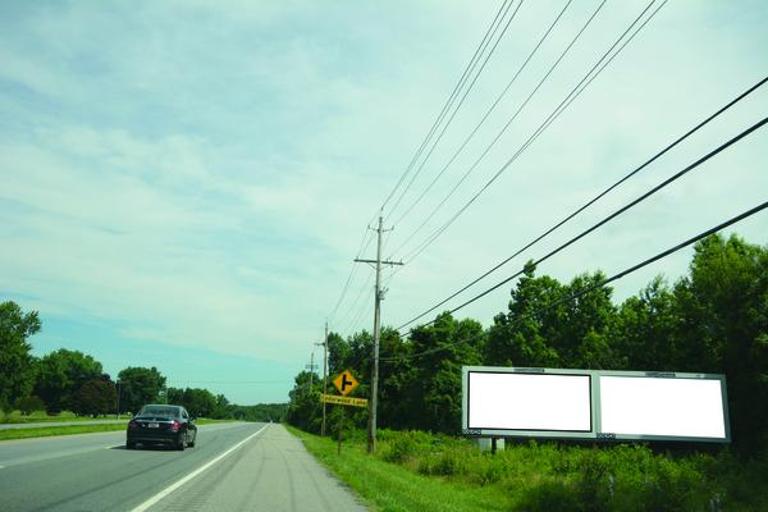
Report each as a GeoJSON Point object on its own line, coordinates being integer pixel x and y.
{"type": "Point", "coordinates": [595, 433]}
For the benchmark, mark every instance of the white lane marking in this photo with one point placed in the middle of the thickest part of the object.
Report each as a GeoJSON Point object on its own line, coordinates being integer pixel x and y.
{"type": "Point", "coordinates": [168, 490]}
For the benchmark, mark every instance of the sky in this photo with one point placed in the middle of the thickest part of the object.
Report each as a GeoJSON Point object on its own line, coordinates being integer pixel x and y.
{"type": "Point", "coordinates": [184, 184]}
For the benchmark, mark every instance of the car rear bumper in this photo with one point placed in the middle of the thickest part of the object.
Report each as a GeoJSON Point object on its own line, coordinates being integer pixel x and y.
{"type": "Point", "coordinates": [171, 438]}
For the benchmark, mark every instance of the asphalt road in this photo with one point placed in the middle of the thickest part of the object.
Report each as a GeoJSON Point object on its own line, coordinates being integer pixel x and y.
{"type": "Point", "coordinates": [235, 466]}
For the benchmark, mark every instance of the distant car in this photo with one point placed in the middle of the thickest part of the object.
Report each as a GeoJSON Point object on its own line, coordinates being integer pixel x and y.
{"type": "Point", "coordinates": [169, 425]}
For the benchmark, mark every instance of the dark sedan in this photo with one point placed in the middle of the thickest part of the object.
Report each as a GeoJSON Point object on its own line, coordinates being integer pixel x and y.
{"type": "Point", "coordinates": [169, 425]}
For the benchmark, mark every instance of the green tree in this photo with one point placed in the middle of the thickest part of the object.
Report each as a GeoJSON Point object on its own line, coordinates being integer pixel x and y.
{"type": "Point", "coordinates": [97, 396]}
{"type": "Point", "coordinates": [440, 350]}
{"type": "Point", "coordinates": [522, 336]}
{"type": "Point", "coordinates": [304, 409]}
{"type": "Point", "coordinates": [724, 303]}
{"type": "Point", "coordinates": [17, 371]}
{"type": "Point", "coordinates": [646, 330]}
{"type": "Point", "coordinates": [61, 373]}
{"type": "Point", "coordinates": [139, 386]}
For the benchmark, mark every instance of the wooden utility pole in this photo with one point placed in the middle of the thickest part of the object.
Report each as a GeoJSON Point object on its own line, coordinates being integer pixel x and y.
{"type": "Point", "coordinates": [378, 297]}
{"type": "Point", "coordinates": [311, 368]}
{"type": "Point", "coordinates": [325, 374]}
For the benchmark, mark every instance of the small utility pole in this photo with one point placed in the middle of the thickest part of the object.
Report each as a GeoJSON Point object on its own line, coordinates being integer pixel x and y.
{"type": "Point", "coordinates": [311, 368]}
{"type": "Point", "coordinates": [378, 297]}
{"type": "Point", "coordinates": [325, 373]}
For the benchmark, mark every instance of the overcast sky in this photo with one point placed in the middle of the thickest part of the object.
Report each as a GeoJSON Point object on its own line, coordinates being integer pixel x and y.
{"type": "Point", "coordinates": [185, 184]}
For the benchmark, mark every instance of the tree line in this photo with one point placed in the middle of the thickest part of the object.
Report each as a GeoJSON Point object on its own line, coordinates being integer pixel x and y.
{"type": "Point", "coordinates": [73, 381]}
{"type": "Point", "coordinates": [713, 320]}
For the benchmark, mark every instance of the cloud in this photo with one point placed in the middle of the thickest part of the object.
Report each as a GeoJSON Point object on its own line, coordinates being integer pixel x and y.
{"type": "Point", "coordinates": [202, 175]}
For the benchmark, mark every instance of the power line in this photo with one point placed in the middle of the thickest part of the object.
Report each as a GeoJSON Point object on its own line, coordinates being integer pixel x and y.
{"type": "Point", "coordinates": [610, 217]}
{"type": "Point", "coordinates": [607, 280]}
{"type": "Point", "coordinates": [458, 106]}
{"type": "Point", "coordinates": [363, 246]}
{"type": "Point", "coordinates": [585, 81]}
{"type": "Point", "coordinates": [598, 196]}
{"type": "Point", "coordinates": [473, 61]}
{"type": "Point", "coordinates": [484, 117]}
{"type": "Point", "coordinates": [354, 314]}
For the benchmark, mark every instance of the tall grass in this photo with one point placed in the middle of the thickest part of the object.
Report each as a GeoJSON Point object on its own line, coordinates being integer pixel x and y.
{"type": "Point", "coordinates": [551, 476]}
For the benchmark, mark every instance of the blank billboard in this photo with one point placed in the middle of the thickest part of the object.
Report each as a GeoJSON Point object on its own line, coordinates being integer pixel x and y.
{"type": "Point", "coordinates": [518, 401]}
{"type": "Point", "coordinates": [594, 404]}
{"type": "Point", "coordinates": [647, 406]}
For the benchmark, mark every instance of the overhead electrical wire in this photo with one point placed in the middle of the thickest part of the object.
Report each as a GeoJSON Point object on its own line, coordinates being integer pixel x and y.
{"type": "Point", "coordinates": [577, 90]}
{"type": "Point", "coordinates": [610, 217]}
{"type": "Point", "coordinates": [487, 114]}
{"type": "Point", "coordinates": [449, 102]}
{"type": "Point", "coordinates": [602, 194]}
{"type": "Point", "coordinates": [458, 106]}
{"type": "Point", "coordinates": [493, 27]}
{"type": "Point", "coordinates": [364, 242]}
{"type": "Point", "coordinates": [601, 283]}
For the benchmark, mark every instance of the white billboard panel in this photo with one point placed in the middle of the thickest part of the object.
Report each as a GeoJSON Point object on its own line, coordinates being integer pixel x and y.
{"type": "Point", "coordinates": [647, 406]}
{"type": "Point", "coordinates": [594, 404]}
{"type": "Point", "coordinates": [518, 401]}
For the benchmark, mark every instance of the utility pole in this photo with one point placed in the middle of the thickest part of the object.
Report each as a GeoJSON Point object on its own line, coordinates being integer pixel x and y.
{"type": "Point", "coordinates": [378, 297]}
{"type": "Point", "coordinates": [311, 368]}
{"type": "Point", "coordinates": [325, 373]}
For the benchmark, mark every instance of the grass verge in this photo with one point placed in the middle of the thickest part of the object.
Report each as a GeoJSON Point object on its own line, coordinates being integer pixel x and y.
{"type": "Point", "coordinates": [393, 488]}
{"type": "Point", "coordinates": [425, 472]}
{"type": "Point", "coordinates": [25, 433]}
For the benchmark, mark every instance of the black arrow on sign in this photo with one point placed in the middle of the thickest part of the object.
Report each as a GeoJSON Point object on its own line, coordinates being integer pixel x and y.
{"type": "Point", "coordinates": [345, 382]}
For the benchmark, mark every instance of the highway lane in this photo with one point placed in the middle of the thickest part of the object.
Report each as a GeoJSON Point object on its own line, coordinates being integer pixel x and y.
{"type": "Point", "coordinates": [263, 469]}
{"type": "Point", "coordinates": [96, 472]}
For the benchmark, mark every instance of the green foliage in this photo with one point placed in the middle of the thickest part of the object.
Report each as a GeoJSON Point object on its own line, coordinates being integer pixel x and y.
{"type": "Point", "coordinates": [60, 375]}
{"type": "Point", "coordinates": [139, 386]}
{"type": "Point", "coordinates": [259, 412]}
{"type": "Point", "coordinates": [713, 320]}
{"type": "Point", "coordinates": [199, 402]}
{"type": "Point", "coordinates": [17, 371]}
{"type": "Point", "coordinates": [305, 409]}
{"type": "Point", "coordinates": [95, 397]}
{"type": "Point", "coordinates": [29, 404]}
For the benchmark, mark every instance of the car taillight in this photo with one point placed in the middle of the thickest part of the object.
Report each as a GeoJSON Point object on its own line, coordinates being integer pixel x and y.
{"type": "Point", "coordinates": [132, 424]}
{"type": "Point", "coordinates": [175, 426]}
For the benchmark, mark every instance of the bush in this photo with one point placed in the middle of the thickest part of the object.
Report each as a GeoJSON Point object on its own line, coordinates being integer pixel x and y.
{"type": "Point", "coordinates": [30, 404]}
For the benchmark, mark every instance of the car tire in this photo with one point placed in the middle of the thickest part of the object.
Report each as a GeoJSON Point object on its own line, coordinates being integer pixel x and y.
{"type": "Point", "coordinates": [130, 445]}
{"type": "Point", "coordinates": [182, 443]}
{"type": "Point", "coordinates": [194, 440]}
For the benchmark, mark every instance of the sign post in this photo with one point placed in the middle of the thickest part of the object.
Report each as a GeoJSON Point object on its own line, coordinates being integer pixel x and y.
{"type": "Point", "coordinates": [345, 383]}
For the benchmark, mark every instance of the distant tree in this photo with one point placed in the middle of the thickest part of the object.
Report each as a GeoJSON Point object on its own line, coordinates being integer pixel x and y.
{"type": "Point", "coordinates": [97, 396]}
{"type": "Point", "coordinates": [222, 409]}
{"type": "Point", "coordinates": [304, 410]}
{"type": "Point", "coordinates": [139, 386]}
{"type": "Point", "coordinates": [17, 371]}
{"type": "Point", "coordinates": [338, 353]}
{"type": "Point", "coordinates": [30, 404]}
{"type": "Point", "coordinates": [60, 376]}
{"type": "Point", "coordinates": [199, 402]}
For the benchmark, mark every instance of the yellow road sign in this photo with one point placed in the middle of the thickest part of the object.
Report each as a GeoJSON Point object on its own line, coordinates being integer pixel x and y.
{"type": "Point", "coordinates": [344, 400]}
{"type": "Point", "coordinates": [345, 382]}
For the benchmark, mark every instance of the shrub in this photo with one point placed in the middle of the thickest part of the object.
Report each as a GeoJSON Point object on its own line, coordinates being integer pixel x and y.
{"type": "Point", "coordinates": [30, 404]}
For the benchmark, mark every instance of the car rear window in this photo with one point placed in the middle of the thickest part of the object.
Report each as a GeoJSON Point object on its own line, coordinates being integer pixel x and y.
{"type": "Point", "coordinates": [159, 410]}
